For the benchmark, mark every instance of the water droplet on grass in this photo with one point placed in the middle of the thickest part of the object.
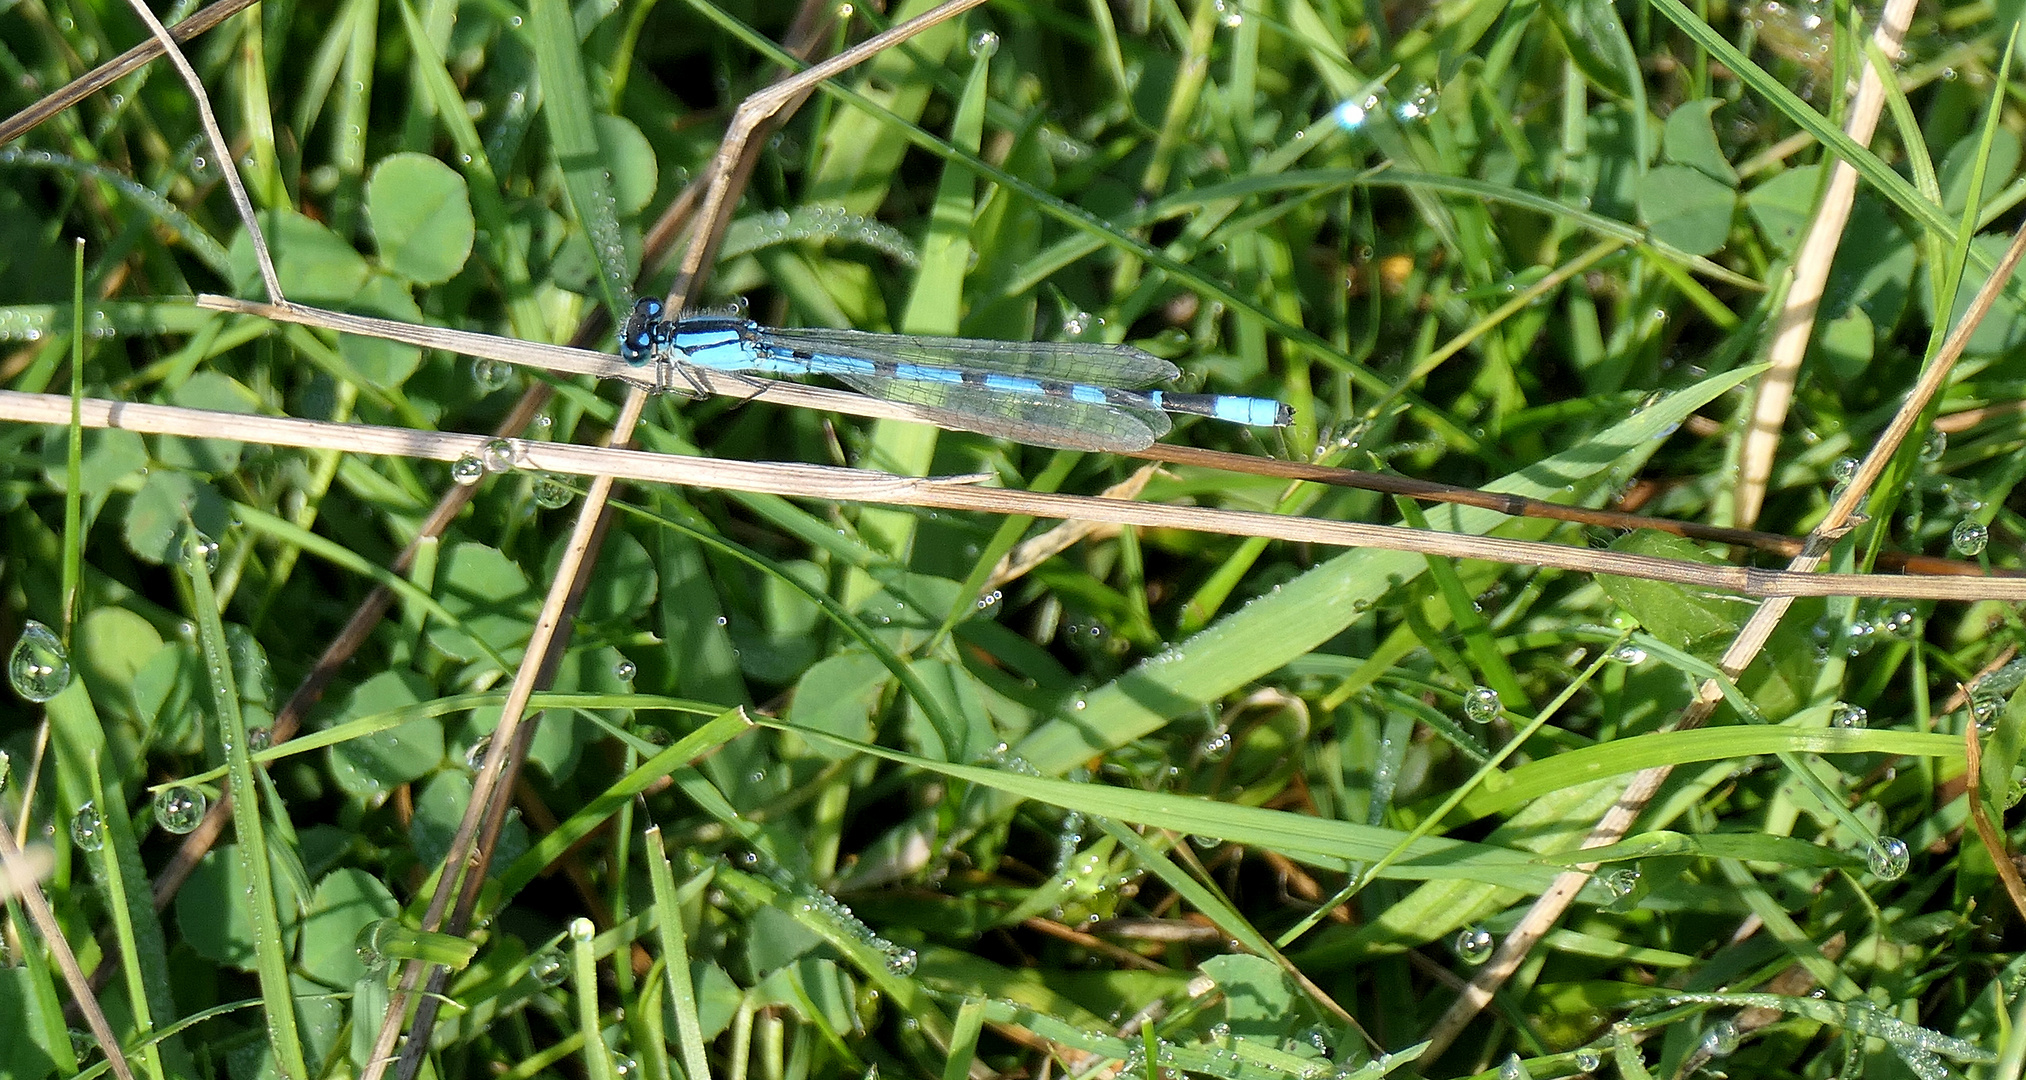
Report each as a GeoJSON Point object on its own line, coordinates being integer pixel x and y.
{"type": "Point", "coordinates": [1888, 858]}
{"type": "Point", "coordinates": [467, 470]}
{"type": "Point", "coordinates": [1721, 1040]}
{"type": "Point", "coordinates": [1481, 705]}
{"type": "Point", "coordinates": [1473, 944]}
{"type": "Point", "coordinates": [551, 493]}
{"type": "Point", "coordinates": [178, 809]}
{"type": "Point", "coordinates": [39, 667]}
{"type": "Point", "coordinates": [87, 828]}
{"type": "Point", "coordinates": [1968, 538]}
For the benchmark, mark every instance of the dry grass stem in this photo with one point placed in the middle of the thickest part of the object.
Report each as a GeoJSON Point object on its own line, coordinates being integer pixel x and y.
{"type": "Point", "coordinates": [865, 486]}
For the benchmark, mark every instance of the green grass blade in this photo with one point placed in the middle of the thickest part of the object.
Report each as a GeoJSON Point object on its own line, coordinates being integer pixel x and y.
{"type": "Point", "coordinates": [270, 955]}
{"type": "Point", "coordinates": [566, 107]}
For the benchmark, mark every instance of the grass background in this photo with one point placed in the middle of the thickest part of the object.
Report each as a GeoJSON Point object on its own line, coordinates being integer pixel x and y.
{"type": "Point", "coordinates": [1106, 812]}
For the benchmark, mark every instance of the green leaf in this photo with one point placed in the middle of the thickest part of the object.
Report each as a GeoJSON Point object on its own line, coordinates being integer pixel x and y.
{"type": "Point", "coordinates": [372, 765]}
{"type": "Point", "coordinates": [1784, 205]}
{"type": "Point", "coordinates": [25, 1052]}
{"type": "Point", "coordinates": [154, 518]}
{"type": "Point", "coordinates": [421, 217]}
{"type": "Point", "coordinates": [1597, 43]}
{"type": "Point", "coordinates": [112, 646]}
{"type": "Point", "coordinates": [211, 908]}
{"type": "Point", "coordinates": [1687, 208]}
{"type": "Point", "coordinates": [625, 584]}
{"type": "Point", "coordinates": [2005, 327]}
{"type": "Point", "coordinates": [836, 695]}
{"type": "Point", "coordinates": [1681, 616]}
{"type": "Point", "coordinates": [345, 902]}
{"type": "Point", "coordinates": [489, 595]}
{"type": "Point", "coordinates": [1845, 344]}
{"type": "Point", "coordinates": [382, 363]}
{"type": "Point", "coordinates": [630, 159]}
{"type": "Point", "coordinates": [1959, 168]}
{"type": "Point", "coordinates": [316, 265]}
{"type": "Point", "coordinates": [1257, 998]}
{"type": "Point", "coordinates": [110, 457]}
{"type": "Point", "coordinates": [1690, 139]}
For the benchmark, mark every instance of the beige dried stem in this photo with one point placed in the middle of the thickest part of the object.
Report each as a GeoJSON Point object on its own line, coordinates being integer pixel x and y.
{"type": "Point", "coordinates": [1796, 321]}
{"type": "Point", "coordinates": [838, 484]}
{"type": "Point", "coordinates": [591, 516]}
{"type": "Point", "coordinates": [1548, 908]}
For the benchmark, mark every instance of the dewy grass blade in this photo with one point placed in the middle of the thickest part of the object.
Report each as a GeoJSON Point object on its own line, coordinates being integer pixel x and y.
{"type": "Point", "coordinates": [676, 960]}
{"type": "Point", "coordinates": [566, 105]}
{"type": "Point", "coordinates": [73, 474]}
{"type": "Point", "coordinates": [270, 955]}
{"type": "Point", "coordinates": [121, 906]}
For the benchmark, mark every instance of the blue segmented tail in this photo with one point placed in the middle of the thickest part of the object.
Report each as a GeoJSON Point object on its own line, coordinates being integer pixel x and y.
{"type": "Point", "coordinates": [1074, 395]}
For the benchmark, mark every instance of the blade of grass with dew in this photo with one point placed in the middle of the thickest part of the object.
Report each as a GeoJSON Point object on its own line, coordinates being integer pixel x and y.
{"type": "Point", "coordinates": [107, 865]}
{"type": "Point", "coordinates": [964, 1039]}
{"type": "Point", "coordinates": [1315, 607]}
{"type": "Point", "coordinates": [676, 959]}
{"type": "Point", "coordinates": [270, 957]}
{"type": "Point", "coordinates": [1316, 841]}
{"type": "Point", "coordinates": [566, 106]}
{"type": "Point", "coordinates": [1624, 756]}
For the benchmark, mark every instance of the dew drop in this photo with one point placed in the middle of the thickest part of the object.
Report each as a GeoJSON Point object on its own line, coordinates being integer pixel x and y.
{"type": "Point", "coordinates": [1934, 446]}
{"type": "Point", "coordinates": [623, 1066]}
{"type": "Point", "coordinates": [1473, 945]}
{"type": "Point", "coordinates": [1621, 881]}
{"type": "Point", "coordinates": [624, 670]}
{"type": "Point", "coordinates": [1721, 1039]}
{"type": "Point", "coordinates": [87, 828]}
{"type": "Point", "coordinates": [1513, 1069]}
{"type": "Point", "coordinates": [38, 667]}
{"type": "Point", "coordinates": [901, 962]}
{"type": "Point", "coordinates": [1481, 705]}
{"type": "Point", "coordinates": [1846, 715]}
{"type": "Point", "coordinates": [467, 470]}
{"type": "Point", "coordinates": [178, 809]}
{"type": "Point", "coordinates": [547, 967]}
{"type": "Point", "coordinates": [475, 757]}
{"type": "Point", "coordinates": [1588, 1060]}
{"type": "Point", "coordinates": [497, 455]}
{"type": "Point", "coordinates": [1844, 471]}
{"type": "Point", "coordinates": [491, 375]}
{"type": "Point", "coordinates": [1888, 858]}
{"type": "Point", "coordinates": [551, 493]}
{"type": "Point", "coordinates": [1969, 537]}
{"type": "Point", "coordinates": [582, 929]}
{"type": "Point", "coordinates": [983, 44]}
{"type": "Point", "coordinates": [1629, 655]}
